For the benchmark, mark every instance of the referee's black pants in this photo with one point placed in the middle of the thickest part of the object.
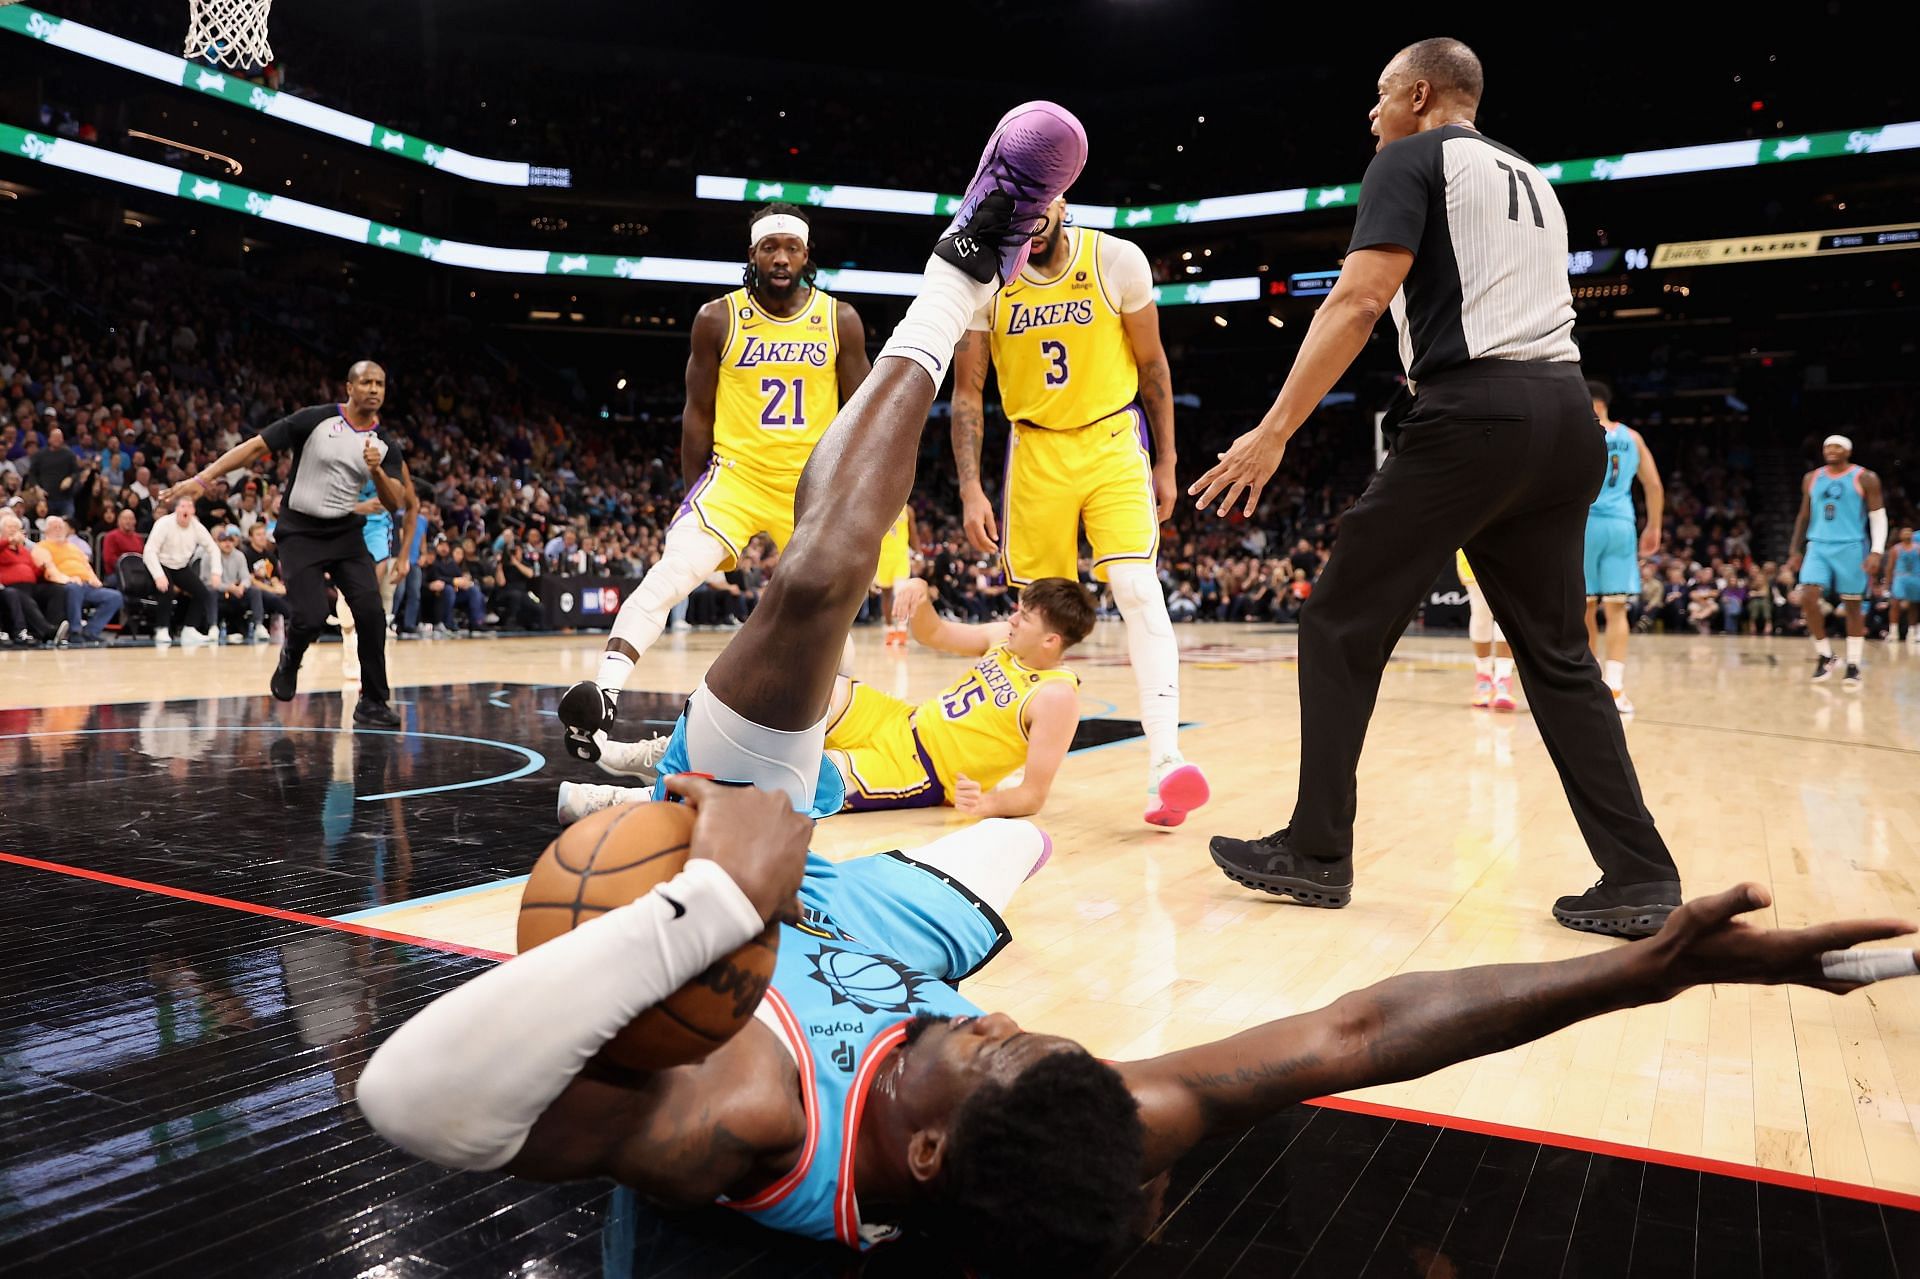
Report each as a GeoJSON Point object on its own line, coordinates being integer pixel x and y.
{"type": "Point", "coordinates": [307, 562]}
{"type": "Point", "coordinates": [1503, 459]}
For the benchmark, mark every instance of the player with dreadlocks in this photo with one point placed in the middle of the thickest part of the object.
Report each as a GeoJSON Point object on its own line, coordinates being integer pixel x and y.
{"type": "Point", "coordinates": [771, 364]}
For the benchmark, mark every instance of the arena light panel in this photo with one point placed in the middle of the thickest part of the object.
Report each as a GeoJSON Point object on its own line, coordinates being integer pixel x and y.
{"type": "Point", "coordinates": [79, 157]}
{"type": "Point", "coordinates": [101, 46]}
{"type": "Point", "coordinates": [1264, 204]}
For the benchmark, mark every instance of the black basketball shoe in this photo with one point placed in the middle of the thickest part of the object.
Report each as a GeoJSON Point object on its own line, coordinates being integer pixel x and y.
{"type": "Point", "coordinates": [586, 709]}
{"type": "Point", "coordinates": [286, 673]}
{"type": "Point", "coordinates": [368, 714]}
{"type": "Point", "coordinates": [1272, 865]}
{"type": "Point", "coordinates": [1823, 669]}
{"type": "Point", "coordinates": [1621, 910]}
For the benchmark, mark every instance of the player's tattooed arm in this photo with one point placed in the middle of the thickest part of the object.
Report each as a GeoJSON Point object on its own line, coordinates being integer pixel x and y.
{"type": "Point", "coordinates": [970, 362]}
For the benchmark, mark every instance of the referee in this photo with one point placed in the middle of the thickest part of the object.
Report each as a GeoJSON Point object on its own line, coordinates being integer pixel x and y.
{"type": "Point", "coordinates": [1498, 453]}
{"type": "Point", "coordinates": [335, 448]}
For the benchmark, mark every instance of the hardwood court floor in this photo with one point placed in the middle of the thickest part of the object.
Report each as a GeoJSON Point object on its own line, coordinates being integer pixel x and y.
{"type": "Point", "coordinates": [1132, 942]}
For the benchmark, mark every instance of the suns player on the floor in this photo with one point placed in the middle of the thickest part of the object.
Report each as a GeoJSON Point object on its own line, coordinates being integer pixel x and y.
{"type": "Point", "coordinates": [772, 363]}
{"type": "Point", "coordinates": [1903, 589]}
{"type": "Point", "coordinates": [1016, 708]}
{"type": "Point", "coordinates": [392, 556]}
{"type": "Point", "coordinates": [1838, 538]}
{"type": "Point", "coordinates": [1083, 376]}
{"type": "Point", "coordinates": [1492, 659]}
{"type": "Point", "coordinates": [894, 571]}
{"type": "Point", "coordinates": [1613, 554]}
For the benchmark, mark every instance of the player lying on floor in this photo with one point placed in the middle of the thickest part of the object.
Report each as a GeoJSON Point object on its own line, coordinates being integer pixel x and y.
{"type": "Point", "coordinates": [1016, 708]}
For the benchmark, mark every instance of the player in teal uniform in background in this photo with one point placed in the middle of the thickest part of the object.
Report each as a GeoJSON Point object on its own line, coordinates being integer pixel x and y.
{"type": "Point", "coordinates": [1903, 588]}
{"type": "Point", "coordinates": [1613, 552]}
{"type": "Point", "coordinates": [1838, 538]}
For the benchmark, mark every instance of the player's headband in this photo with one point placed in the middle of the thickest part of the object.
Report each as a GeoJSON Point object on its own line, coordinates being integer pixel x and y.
{"type": "Point", "coordinates": [777, 224]}
{"type": "Point", "coordinates": [1841, 440]}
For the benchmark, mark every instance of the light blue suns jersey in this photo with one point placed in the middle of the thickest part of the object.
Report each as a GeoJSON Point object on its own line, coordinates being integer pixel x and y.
{"type": "Point", "coordinates": [1906, 561]}
{"type": "Point", "coordinates": [841, 1006]}
{"type": "Point", "coordinates": [1616, 488]}
{"type": "Point", "coordinates": [378, 529]}
{"type": "Point", "coordinates": [1838, 506]}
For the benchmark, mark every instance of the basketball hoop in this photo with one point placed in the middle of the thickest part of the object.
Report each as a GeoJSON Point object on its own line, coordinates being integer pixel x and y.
{"type": "Point", "coordinates": [232, 33]}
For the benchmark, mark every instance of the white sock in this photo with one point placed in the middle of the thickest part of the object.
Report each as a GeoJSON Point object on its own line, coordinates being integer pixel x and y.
{"type": "Point", "coordinates": [1483, 666]}
{"type": "Point", "coordinates": [1823, 646]}
{"type": "Point", "coordinates": [688, 555]}
{"type": "Point", "coordinates": [1616, 675]}
{"type": "Point", "coordinates": [1156, 660]}
{"type": "Point", "coordinates": [1502, 668]}
{"type": "Point", "coordinates": [937, 319]}
{"type": "Point", "coordinates": [1856, 649]}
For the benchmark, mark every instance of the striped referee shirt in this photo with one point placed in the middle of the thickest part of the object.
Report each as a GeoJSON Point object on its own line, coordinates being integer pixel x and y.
{"type": "Point", "coordinates": [1489, 245]}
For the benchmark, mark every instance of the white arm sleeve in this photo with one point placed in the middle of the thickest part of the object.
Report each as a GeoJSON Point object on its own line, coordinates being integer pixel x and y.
{"type": "Point", "coordinates": [1125, 274]}
{"type": "Point", "coordinates": [1877, 530]}
{"type": "Point", "coordinates": [462, 1083]}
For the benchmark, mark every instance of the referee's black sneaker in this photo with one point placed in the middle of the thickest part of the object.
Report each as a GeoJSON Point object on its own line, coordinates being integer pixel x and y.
{"type": "Point", "coordinates": [1272, 865]}
{"type": "Point", "coordinates": [586, 709]}
{"type": "Point", "coordinates": [368, 714]}
{"type": "Point", "coordinates": [286, 673]}
{"type": "Point", "coordinates": [1621, 910]}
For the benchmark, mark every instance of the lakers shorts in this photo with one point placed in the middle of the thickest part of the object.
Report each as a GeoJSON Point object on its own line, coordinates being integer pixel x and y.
{"type": "Point", "coordinates": [1613, 558]}
{"type": "Point", "coordinates": [885, 765]}
{"type": "Point", "coordinates": [1839, 567]}
{"type": "Point", "coordinates": [895, 561]}
{"type": "Point", "coordinates": [1099, 476]}
{"type": "Point", "coordinates": [893, 905]}
{"type": "Point", "coordinates": [734, 502]}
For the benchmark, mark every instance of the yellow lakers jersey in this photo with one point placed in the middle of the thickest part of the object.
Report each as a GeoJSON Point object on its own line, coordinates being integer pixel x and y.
{"type": "Point", "coordinates": [975, 727]}
{"type": "Point", "coordinates": [779, 384]}
{"type": "Point", "coordinates": [1060, 347]}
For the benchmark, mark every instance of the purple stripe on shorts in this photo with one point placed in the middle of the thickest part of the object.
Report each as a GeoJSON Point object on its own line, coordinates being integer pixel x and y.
{"type": "Point", "coordinates": [699, 486]}
{"type": "Point", "coordinates": [930, 795]}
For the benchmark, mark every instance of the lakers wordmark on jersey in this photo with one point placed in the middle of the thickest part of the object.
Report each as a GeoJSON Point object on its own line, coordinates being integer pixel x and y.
{"type": "Point", "coordinates": [779, 384]}
{"type": "Point", "coordinates": [1061, 347]}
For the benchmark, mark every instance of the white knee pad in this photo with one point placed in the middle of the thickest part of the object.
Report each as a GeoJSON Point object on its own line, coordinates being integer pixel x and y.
{"type": "Point", "coordinates": [725, 744]}
{"type": "Point", "coordinates": [1137, 594]}
{"type": "Point", "coordinates": [1480, 625]}
{"type": "Point", "coordinates": [687, 557]}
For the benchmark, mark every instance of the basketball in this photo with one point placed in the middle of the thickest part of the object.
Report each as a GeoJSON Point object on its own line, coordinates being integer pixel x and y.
{"type": "Point", "coordinates": [609, 860]}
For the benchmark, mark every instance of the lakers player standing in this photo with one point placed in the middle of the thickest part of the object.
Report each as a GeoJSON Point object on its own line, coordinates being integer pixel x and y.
{"type": "Point", "coordinates": [771, 364]}
{"type": "Point", "coordinates": [1076, 339]}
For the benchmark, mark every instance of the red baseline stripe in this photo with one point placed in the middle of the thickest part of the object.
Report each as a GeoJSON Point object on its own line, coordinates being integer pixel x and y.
{"type": "Point", "coordinates": [251, 908]}
{"type": "Point", "coordinates": [1643, 1154]}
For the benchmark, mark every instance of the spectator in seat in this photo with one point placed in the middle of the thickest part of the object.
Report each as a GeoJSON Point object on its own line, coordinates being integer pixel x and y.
{"type": "Point", "coordinates": [32, 590]}
{"type": "Point", "coordinates": [84, 587]}
{"type": "Point", "coordinates": [263, 559]}
{"type": "Point", "coordinates": [125, 539]}
{"type": "Point", "coordinates": [55, 471]}
{"type": "Point", "coordinates": [172, 547]}
{"type": "Point", "coordinates": [240, 608]}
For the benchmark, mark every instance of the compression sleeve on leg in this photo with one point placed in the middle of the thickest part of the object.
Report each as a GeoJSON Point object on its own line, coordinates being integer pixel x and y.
{"type": "Point", "coordinates": [687, 556]}
{"type": "Point", "coordinates": [462, 1083]}
{"type": "Point", "coordinates": [1154, 652]}
{"type": "Point", "coordinates": [725, 744]}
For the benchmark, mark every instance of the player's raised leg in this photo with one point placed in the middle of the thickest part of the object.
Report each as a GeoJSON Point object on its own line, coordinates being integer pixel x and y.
{"type": "Point", "coordinates": [763, 704]}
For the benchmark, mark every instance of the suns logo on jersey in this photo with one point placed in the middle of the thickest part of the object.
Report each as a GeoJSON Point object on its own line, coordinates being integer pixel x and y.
{"type": "Point", "coordinates": [757, 351]}
{"type": "Point", "coordinates": [1021, 317]}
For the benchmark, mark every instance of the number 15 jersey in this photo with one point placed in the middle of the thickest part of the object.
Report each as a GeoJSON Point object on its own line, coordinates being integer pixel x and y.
{"type": "Point", "coordinates": [779, 385]}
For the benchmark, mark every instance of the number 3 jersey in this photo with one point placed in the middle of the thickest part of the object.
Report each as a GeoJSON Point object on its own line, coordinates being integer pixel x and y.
{"type": "Point", "coordinates": [779, 385]}
{"type": "Point", "coordinates": [1059, 344]}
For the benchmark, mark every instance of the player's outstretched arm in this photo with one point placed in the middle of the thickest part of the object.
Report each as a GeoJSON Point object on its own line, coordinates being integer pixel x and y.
{"type": "Point", "coordinates": [243, 454]}
{"type": "Point", "coordinates": [1415, 1023]}
{"type": "Point", "coordinates": [929, 628]}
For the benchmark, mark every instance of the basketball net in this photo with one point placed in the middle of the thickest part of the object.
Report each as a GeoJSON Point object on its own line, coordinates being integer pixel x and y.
{"type": "Point", "coordinates": [232, 33]}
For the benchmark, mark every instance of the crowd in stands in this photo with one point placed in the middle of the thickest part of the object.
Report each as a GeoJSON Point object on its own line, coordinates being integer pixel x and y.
{"type": "Point", "coordinates": [120, 374]}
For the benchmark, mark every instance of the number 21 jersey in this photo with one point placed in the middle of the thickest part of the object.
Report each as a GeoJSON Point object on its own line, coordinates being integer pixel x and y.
{"type": "Point", "coordinates": [779, 385]}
